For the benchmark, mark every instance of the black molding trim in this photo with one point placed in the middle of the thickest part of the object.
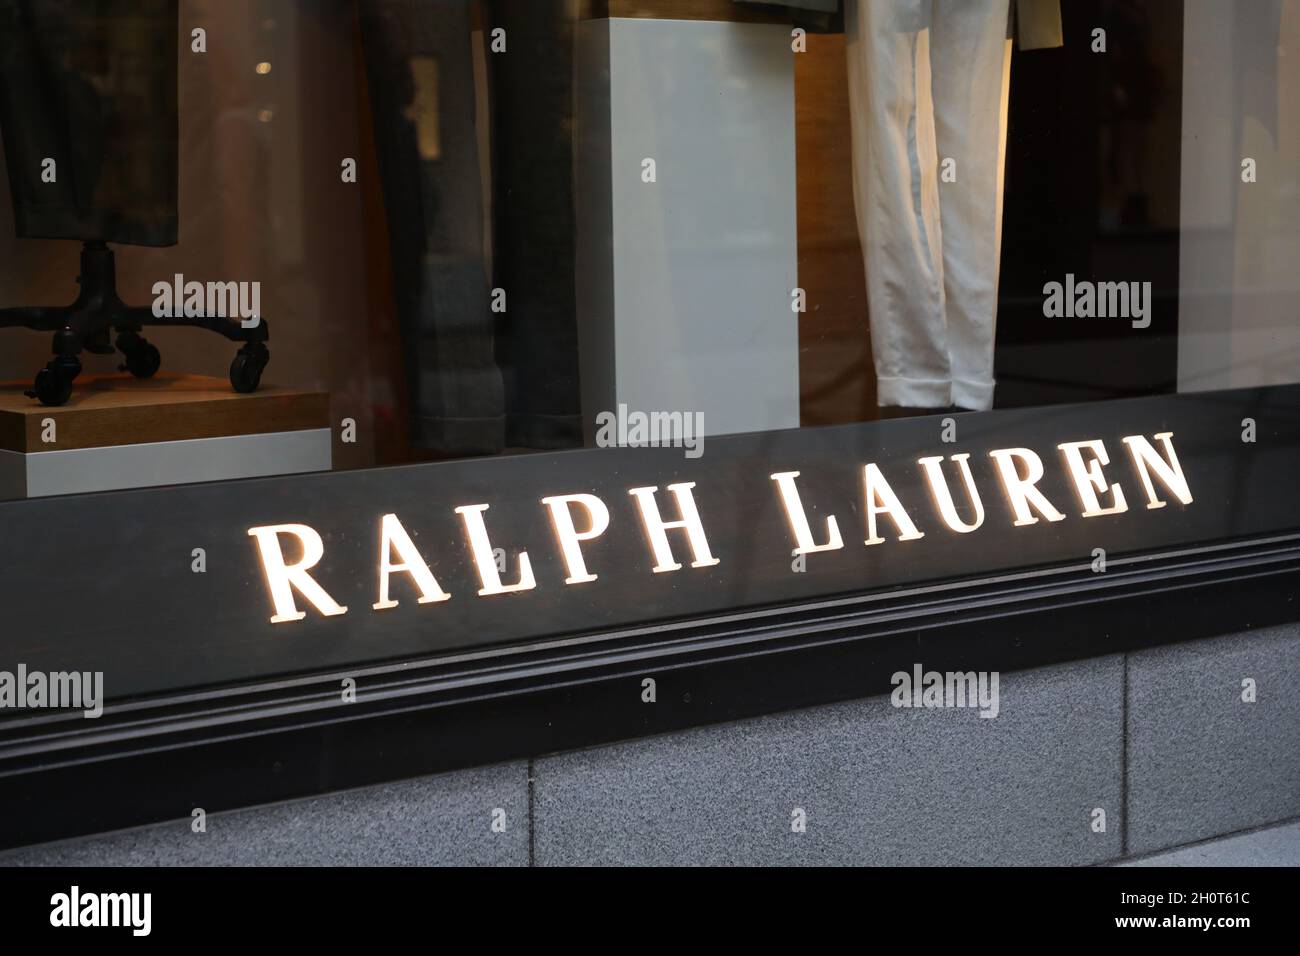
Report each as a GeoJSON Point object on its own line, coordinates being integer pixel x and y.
{"type": "Point", "coordinates": [146, 760]}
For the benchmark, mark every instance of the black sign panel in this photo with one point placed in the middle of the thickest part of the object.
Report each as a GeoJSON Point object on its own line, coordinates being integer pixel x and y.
{"type": "Point", "coordinates": [108, 582]}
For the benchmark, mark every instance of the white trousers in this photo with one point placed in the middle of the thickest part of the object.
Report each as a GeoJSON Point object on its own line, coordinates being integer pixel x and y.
{"type": "Point", "coordinates": [928, 84]}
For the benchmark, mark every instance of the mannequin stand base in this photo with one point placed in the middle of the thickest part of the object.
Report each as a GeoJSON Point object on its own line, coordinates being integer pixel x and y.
{"type": "Point", "coordinates": [88, 323]}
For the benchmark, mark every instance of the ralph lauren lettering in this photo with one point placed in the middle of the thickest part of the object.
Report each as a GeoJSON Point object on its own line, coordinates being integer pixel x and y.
{"type": "Point", "coordinates": [579, 518]}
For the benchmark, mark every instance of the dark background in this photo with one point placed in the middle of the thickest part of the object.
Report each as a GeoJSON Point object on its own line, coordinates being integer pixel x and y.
{"type": "Point", "coordinates": [1092, 188]}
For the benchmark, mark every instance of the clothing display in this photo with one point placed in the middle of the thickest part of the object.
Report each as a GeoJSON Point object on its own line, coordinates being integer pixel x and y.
{"type": "Point", "coordinates": [480, 380]}
{"type": "Point", "coordinates": [92, 88]}
{"type": "Point", "coordinates": [1038, 22]}
{"type": "Point", "coordinates": [534, 226]}
{"type": "Point", "coordinates": [928, 85]}
{"type": "Point", "coordinates": [88, 110]}
{"type": "Point", "coordinates": [420, 74]}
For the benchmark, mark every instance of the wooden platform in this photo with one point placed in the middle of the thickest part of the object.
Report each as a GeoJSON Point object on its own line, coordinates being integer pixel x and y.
{"type": "Point", "coordinates": [111, 410]}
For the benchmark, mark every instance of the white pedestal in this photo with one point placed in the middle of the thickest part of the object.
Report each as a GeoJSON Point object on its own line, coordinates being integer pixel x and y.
{"type": "Point", "coordinates": [80, 470]}
{"type": "Point", "coordinates": [685, 283]}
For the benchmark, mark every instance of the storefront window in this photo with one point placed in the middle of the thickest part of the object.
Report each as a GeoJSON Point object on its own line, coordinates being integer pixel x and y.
{"type": "Point", "coordinates": [671, 308]}
{"type": "Point", "coordinates": [1074, 163]}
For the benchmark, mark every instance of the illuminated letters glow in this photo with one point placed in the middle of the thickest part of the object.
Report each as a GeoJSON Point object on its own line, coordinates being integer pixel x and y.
{"type": "Point", "coordinates": [933, 468]}
{"type": "Point", "coordinates": [803, 536]}
{"type": "Point", "coordinates": [570, 538]}
{"type": "Point", "coordinates": [484, 560]}
{"type": "Point", "coordinates": [1021, 492]}
{"type": "Point", "coordinates": [1088, 479]}
{"type": "Point", "coordinates": [393, 537]}
{"type": "Point", "coordinates": [656, 528]}
{"type": "Point", "coordinates": [579, 518]}
{"type": "Point", "coordinates": [882, 500]}
{"type": "Point", "coordinates": [1169, 472]}
{"type": "Point", "coordinates": [282, 578]}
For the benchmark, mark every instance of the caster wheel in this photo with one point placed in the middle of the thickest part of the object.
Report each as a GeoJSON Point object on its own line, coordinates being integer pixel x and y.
{"type": "Point", "coordinates": [246, 369]}
{"type": "Point", "coordinates": [52, 388]}
{"type": "Point", "coordinates": [142, 357]}
{"type": "Point", "coordinates": [54, 382]}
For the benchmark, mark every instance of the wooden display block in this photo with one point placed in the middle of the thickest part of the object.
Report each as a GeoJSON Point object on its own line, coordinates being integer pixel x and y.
{"type": "Point", "coordinates": [121, 432]}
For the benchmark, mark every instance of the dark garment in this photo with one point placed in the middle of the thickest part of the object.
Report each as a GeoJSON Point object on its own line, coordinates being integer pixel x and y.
{"type": "Point", "coordinates": [419, 69]}
{"type": "Point", "coordinates": [533, 221]}
{"type": "Point", "coordinates": [91, 84]}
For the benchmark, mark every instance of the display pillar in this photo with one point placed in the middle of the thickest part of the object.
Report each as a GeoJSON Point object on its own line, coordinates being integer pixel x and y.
{"type": "Point", "coordinates": [686, 250]}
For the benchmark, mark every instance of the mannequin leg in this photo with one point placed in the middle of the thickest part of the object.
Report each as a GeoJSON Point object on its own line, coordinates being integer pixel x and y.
{"type": "Point", "coordinates": [970, 58]}
{"type": "Point", "coordinates": [896, 196]}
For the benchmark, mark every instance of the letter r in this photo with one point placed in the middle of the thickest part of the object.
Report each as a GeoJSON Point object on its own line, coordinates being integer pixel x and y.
{"type": "Point", "coordinates": [282, 578]}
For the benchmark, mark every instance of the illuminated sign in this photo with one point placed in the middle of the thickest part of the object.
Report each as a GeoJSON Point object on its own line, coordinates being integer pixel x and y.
{"type": "Point", "coordinates": [391, 565]}
{"type": "Point", "coordinates": [956, 506]}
